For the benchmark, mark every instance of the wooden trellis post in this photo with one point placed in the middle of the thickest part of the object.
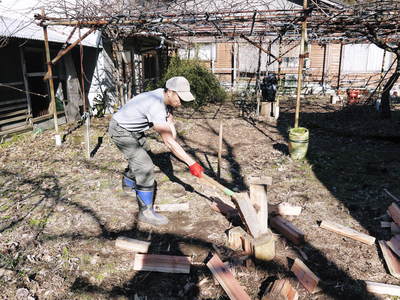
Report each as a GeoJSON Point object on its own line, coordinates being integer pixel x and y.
{"type": "Point", "coordinates": [302, 55]}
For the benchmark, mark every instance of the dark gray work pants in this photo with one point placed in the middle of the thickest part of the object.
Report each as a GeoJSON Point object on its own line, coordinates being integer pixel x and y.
{"type": "Point", "coordinates": [132, 145]}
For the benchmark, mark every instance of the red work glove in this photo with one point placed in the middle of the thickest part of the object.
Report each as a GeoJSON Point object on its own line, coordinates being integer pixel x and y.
{"type": "Point", "coordinates": [196, 170]}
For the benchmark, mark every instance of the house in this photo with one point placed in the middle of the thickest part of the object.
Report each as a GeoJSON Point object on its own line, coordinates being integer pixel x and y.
{"type": "Point", "coordinates": [25, 101]}
{"type": "Point", "coordinates": [237, 63]}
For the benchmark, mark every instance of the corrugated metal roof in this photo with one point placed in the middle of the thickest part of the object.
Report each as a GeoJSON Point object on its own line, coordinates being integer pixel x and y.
{"type": "Point", "coordinates": [24, 29]}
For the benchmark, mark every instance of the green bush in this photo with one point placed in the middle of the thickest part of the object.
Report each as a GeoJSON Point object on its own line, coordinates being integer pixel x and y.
{"type": "Point", "coordinates": [204, 85]}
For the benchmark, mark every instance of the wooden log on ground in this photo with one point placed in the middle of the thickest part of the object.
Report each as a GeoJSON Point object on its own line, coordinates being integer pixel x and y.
{"type": "Point", "coordinates": [392, 262]}
{"type": "Point", "coordinates": [348, 232]}
{"type": "Point", "coordinates": [281, 290]}
{"type": "Point", "coordinates": [394, 212]}
{"type": "Point", "coordinates": [132, 244]}
{"type": "Point", "coordinates": [306, 277]}
{"type": "Point", "coordinates": [162, 263]}
{"type": "Point", "coordinates": [225, 278]}
{"type": "Point", "coordinates": [287, 229]}
{"type": "Point", "coordinates": [382, 288]}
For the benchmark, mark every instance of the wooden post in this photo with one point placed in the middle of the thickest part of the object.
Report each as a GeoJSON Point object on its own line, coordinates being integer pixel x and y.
{"type": "Point", "coordinates": [26, 84]}
{"type": "Point", "coordinates": [301, 65]}
{"type": "Point", "coordinates": [219, 150]}
{"type": "Point", "coordinates": [51, 83]}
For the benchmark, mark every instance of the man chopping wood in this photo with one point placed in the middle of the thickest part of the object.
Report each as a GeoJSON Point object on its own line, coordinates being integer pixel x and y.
{"type": "Point", "coordinates": [127, 127]}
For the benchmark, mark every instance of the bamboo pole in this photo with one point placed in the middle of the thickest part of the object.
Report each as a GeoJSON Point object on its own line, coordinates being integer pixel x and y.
{"type": "Point", "coordinates": [51, 83]}
{"type": "Point", "coordinates": [220, 150]}
{"type": "Point", "coordinates": [84, 99]}
{"type": "Point", "coordinates": [301, 65]}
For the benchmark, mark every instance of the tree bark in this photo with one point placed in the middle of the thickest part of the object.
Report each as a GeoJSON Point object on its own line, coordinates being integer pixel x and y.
{"type": "Point", "coordinates": [385, 98]}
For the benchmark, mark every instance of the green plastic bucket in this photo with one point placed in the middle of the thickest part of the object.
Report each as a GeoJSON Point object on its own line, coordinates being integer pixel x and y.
{"type": "Point", "coordinates": [298, 142]}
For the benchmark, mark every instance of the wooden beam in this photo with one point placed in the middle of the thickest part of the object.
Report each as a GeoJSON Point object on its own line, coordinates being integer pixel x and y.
{"type": "Point", "coordinates": [281, 290]}
{"type": "Point", "coordinates": [394, 212]}
{"type": "Point", "coordinates": [287, 229]}
{"type": "Point", "coordinates": [263, 180]}
{"type": "Point", "coordinates": [24, 117]}
{"type": "Point", "coordinates": [225, 278]}
{"type": "Point", "coordinates": [382, 288]}
{"type": "Point", "coordinates": [162, 263]}
{"type": "Point", "coordinates": [349, 232]}
{"type": "Point", "coordinates": [392, 262]}
{"type": "Point", "coordinates": [306, 277]}
{"type": "Point", "coordinates": [132, 244]}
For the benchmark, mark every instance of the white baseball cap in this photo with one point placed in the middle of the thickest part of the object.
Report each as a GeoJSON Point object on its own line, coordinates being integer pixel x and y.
{"type": "Point", "coordinates": [181, 86]}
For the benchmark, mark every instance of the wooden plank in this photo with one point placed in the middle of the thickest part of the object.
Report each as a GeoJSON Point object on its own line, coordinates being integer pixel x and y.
{"type": "Point", "coordinates": [285, 209]}
{"type": "Point", "coordinates": [349, 232]}
{"type": "Point", "coordinates": [394, 244]}
{"type": "Point", "coordinates": [162, 263]}
{"type": "Point", "coordinates": [132, 244]}
{"type": "Point", "coordinates": [249, 215]}
{"type": "Point", "coordinates": [15, 101]}
{"type": "Point", "coordinates": [12, 83]}
{"type": "Point", "coordinates": [16, 129]}
{"type": "Point", "coordinates": [394, 212]}
{"type": "Point", "coordinates": [306, 277]}
{"type": "Point", "coordinates": [225, 278]}
{"type": "Point", "coordinates": [172, 207]}
{"type": "Point", "coordinates": [14, 119]}
{"type": "Point", "coordinates": [382, 288]}
{"type": "Point", "coordinates": [391, 260]}
{"type": "Point", "coordinates": [394, 228]}
{"type": "Point", "coordinates": [287, 229]}
{"type": "Point", "coordinates": [11, 107]}
{"type": "Point", "coordinates": [258, 195]}
{"type": "Point", "coordinates": [235, 235]}
{"type": "Point", "coordinates": [14, 113]}
{"type": "Point", "coordinates": [281, 290]}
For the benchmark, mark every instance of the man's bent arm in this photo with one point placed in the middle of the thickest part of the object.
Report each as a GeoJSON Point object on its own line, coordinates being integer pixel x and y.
{"type": "Point", "coordinates": [165, 131]}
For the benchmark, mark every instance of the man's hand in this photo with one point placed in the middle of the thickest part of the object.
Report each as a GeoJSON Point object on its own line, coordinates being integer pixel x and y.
{"type": "Point", "coordinates": [196, 170]}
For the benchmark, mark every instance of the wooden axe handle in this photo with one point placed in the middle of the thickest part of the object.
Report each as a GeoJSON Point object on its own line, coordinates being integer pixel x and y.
{"type": "Point", "coordinates": [216, 184]}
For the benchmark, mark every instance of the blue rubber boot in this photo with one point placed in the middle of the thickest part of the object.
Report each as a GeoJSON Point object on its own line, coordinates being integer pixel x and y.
{"type": "Point", "coordinates": [147, 214]}
{"type": "Point", "coordinates": [128, 184]}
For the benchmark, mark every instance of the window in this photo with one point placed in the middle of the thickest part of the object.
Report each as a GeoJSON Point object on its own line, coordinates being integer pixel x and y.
{"type": "Point", "coordinates": [364, 58]}
{"type": "Point", "coordinates": [199, 51]}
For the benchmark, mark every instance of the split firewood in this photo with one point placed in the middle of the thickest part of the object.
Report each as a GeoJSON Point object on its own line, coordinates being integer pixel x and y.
{"type": "Point", "coordinates": [306, 277]}
{"type": "Point", "coordinates": [172, 207]}
{"type": "Point", "coordinates": [287, 229]}
{"type": "Point", "coordinates": [394, 244]}
{"type": "Point", "coordinates": [394, 228]}
{"type": "Point", "coordinates": [391, 260]}
{"type": "Point", "coordinates": [225, 278]}
{"type": "Point", "coordinates": [132, 244]}
{"type": "Point", "coordinates": [162, 263]}
{"type": "Point", "coordinates": [284, 209]}
{"type": "Point", "coordinates": [281, 290]}
{"type": "Point", "coordinates": [394, 212]}
{"type": "Point", "coordinates": [349, 232]}
{"type": "Point", "coordinates": [382, 288]}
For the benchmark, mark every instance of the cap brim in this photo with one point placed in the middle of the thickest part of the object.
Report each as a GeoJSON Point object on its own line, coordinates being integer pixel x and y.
{"type": "Point", "coordinates": [185, 96]}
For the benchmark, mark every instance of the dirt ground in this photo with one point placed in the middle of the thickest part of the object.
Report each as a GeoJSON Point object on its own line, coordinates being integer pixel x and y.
{"type": "Point", "coordinates": [60, 212]}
